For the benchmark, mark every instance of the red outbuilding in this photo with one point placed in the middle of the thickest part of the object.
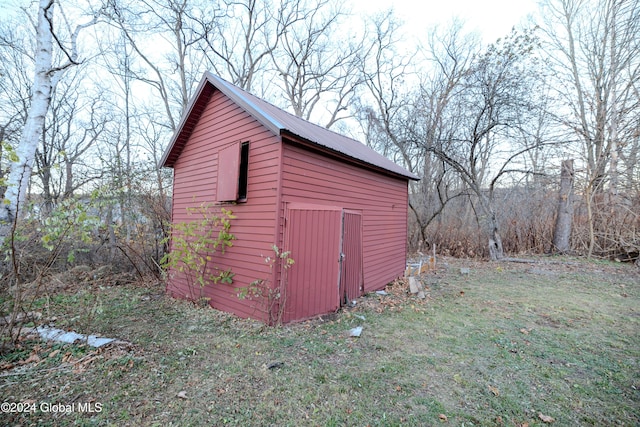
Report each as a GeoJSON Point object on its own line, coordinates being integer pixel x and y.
{"type": "Point", "coordinates": [336, 205]}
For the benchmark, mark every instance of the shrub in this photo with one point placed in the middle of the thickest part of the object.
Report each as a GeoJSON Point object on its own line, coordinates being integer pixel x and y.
{"type": "Point", "coordinates": [194, 245]}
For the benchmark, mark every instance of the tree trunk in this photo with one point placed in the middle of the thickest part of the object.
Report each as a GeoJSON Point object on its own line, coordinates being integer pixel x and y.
{"type": "Point", "coordinates": [68, 178]}
{"type": "Point", "coordinates": [20, 174]}
{"type": "Point", "coordinates": [113, 249]}
{"type": "Point", "coordinates": [564, 218]}
{"type": "Point", "coordinates": [496, 252]}
{"type": "Point", "coordinates": [47, 196]}
{"type": "Point", "coordinates": [490, 221]}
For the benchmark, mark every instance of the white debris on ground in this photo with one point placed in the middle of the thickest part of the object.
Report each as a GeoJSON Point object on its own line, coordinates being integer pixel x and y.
{"type": "Point", "coordinates": [53, 334]}
{"type": "Point", "coordinates": [355, 332]}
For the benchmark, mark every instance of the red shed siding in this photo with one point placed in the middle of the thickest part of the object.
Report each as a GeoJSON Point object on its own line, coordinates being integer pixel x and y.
{"type": "Point", "coordinates": [351, 273]}
{"type": "Point", "coordinates": [313, 237]}
{"type": "Point", "coordinates": [310, 177]}
{"type": "Point", "coordinates": [221, 125]}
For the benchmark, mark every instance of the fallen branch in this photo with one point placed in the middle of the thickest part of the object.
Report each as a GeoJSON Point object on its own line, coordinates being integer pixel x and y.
{"type": "Point", "coordinates": [522, 260]}
{"type": "Point", "coordinates": [31, 316]}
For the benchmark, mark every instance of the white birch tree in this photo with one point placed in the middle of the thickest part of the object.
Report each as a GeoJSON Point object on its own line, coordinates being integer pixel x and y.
{"type": "Point", "coordinates": [47, 75]}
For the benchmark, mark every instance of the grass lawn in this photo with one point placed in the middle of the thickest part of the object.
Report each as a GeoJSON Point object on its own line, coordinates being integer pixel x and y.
{"type": "Point", "coordinates": [552, 343]}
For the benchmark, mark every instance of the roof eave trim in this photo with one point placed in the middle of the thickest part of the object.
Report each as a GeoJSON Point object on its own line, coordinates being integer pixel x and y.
{"type": "Point", "coordinates": [259, 114]}
{"type": "Point", "coordinates": [340, 155]}
{"type": "Point", "coordinates": [185, 115]}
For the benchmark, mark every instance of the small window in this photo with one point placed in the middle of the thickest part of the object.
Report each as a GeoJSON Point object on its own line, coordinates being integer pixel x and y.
{"type": "Point", "coordinates": [233, 171]}
{"type": "Point", "coordinates": [244, 171]}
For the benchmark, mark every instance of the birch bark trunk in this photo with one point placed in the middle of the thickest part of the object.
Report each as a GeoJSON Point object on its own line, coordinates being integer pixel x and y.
{"type": "Point", "coordinates": [18, 179]}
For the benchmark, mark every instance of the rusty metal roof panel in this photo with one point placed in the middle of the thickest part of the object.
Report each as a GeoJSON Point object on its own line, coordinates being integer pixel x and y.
{"type": "Point", "coordinates": [282, 123]}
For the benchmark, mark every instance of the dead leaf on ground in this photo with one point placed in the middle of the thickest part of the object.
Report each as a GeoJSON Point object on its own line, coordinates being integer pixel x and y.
{"type": "Point", "coordinates": [443, 418]}
{"type": "Point", "coordinates": [494, 390]}
{"type": "Point", "coordinates": [546, 418]}
{"type": "Point", "coordinates": [182, 395]}
{"type": "Point", "coordinates": [32, 358]}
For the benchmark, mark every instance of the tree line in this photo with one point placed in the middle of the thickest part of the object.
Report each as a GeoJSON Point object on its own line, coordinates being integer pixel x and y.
{"type": "Point", "coordinates": [526, 144]}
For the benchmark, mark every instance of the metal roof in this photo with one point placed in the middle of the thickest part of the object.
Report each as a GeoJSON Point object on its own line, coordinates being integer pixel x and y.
{"type": "Point", "coordinates": [279, 122]}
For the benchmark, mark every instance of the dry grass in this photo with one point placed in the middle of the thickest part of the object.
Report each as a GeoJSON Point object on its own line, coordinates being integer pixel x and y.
{"type": "Point", "coordinates": [501, 345]}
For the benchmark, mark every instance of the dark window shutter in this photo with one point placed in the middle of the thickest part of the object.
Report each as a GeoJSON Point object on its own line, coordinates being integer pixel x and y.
{"type": "Point", "coordinates": [228, 169]}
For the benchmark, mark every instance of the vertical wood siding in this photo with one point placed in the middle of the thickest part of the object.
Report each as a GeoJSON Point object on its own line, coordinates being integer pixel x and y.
{"type": "Point", "coordinates": [310, 177]}
{"type": "Point", "coordinates": [221, 125]}
{"type": "Point", "coordinates": [351, 275]}
{"type": "Point", "coordinates": [313, 235]}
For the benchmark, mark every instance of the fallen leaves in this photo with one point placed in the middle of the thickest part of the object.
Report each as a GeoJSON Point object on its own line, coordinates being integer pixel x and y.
{"type": "Point", "coordinates": [396, 298]}
{"type": "Point", "coordinates": [75, 358]}
{"type": "Point", "coordinates": [6, 366]}
{"type": "Point", "coordinates": [443, 418]}
{"type": "Point", "coordinates": [33, 358]}
{"type": "Point", "coordinates": [545, 418]}
{"type": "Point", "coordinates": [494, 390]}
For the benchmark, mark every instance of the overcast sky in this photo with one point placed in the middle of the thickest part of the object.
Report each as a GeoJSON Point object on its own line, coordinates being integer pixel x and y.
{"type": "Point", "coordinates": [492, 18]}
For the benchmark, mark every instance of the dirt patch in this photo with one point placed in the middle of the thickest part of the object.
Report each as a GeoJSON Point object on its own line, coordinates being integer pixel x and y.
{"type": "Point", "coordinates": [547, 321]}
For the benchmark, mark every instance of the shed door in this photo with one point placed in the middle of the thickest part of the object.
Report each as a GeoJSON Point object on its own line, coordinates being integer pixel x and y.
{"type": "Point", "coordinates": [313, 237]}
{"type": "Point", "coordinates": [351, 283]}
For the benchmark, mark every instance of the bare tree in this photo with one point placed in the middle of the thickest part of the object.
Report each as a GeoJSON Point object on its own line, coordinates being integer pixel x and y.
{"type": "Point", "coordinates": [593, 49]}
{"type": "Point", "coordinates": [171, 72]}
{"type": "Point", "coordinates": [314, 65]}
{"type": "Point", "coordinates": [403, 123]}
{"type": "Point", "coordinates": [71, 129]}
{"type": "Point", "coordinates": [47, 75]}
{"type": "Point", "coordinates": [239, 39]}
{"type": "Point", "coordinates": [459, 131]}
{"type": "Point", "coordinates": [450, 54]}
{"type": "Point", "coordinates": [488, 102]}
{"type": "Point", "coordinates": [16, 79]}
{"type": "Point", "coordinates": [385, 107]}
